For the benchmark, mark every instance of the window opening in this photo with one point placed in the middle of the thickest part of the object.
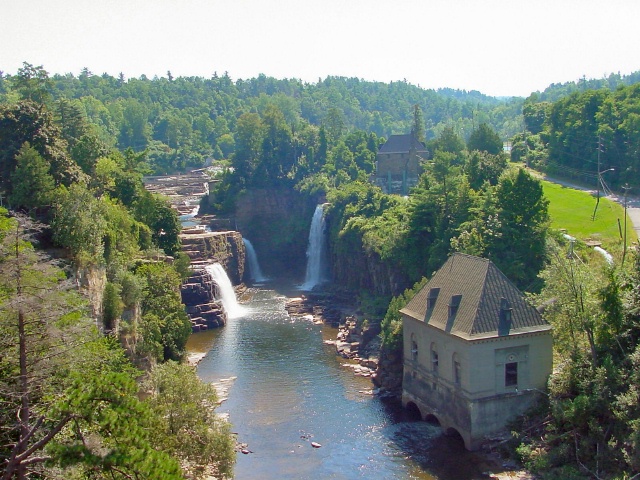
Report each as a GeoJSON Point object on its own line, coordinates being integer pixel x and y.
{"type": "Point", "coordinates": [511, 374]}
{"type": "Point", "coordinates": [505, 308]}
{"type": "Point", "coordinates": [433, 296]}
{"type": "Point", "coordinates": [434, 360]}
{"type": "Point", "coordinates": [414, 350]}
{"type": "Point", "coordinates": [453, 306]}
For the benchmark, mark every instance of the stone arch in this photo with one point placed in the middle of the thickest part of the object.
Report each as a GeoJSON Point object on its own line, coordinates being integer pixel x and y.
{"type": "Point", "coordinates": [455, 436]}
{"type": "Point", "coordinates": [432, 419]}
{"type": "Point", "coordinates": [413, 411]}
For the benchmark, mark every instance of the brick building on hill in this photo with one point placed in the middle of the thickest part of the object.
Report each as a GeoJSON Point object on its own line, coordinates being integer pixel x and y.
{"type": "Point", "coordinates": [398, 164]}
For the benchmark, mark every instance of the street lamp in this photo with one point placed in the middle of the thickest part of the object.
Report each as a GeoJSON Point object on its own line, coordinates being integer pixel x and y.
{"type": "Point", "coordinates": [598, 190]}
{"type": "Point", "coordinates": [624, 252]}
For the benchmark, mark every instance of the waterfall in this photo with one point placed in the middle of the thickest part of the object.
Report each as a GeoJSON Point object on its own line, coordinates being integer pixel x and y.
{"type": "Point", "coordinates": [254, 267]}
{"type": "Point", "coordinates": [188, 219]}
{"type": "Point", "coordinates": [316, 264]}
{"type": "Point", "coordinates": [227, 294]}
{"type": "Point", "coordinates": [192, 214]}
{"type": "Point", "coordinates": [607, 256]}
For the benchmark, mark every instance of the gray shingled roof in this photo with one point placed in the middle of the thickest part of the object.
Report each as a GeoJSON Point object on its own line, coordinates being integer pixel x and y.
{"type": "Point", "coordinates": [483, 289]}
{"type": "Point", "coordinates": [401, 143]}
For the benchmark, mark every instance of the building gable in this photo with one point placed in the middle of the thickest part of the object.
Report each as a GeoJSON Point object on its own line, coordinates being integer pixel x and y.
{"type": "Point", "coordinates": [402, 144]}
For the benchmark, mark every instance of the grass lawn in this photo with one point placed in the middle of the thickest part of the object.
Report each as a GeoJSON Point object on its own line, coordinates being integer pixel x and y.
{"type": "Point", "coordinates": [573, 209]}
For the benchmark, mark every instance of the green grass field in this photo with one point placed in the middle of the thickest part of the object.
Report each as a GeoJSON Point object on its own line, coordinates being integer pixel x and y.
{"type": "Point", "coordinates": [572, 210]}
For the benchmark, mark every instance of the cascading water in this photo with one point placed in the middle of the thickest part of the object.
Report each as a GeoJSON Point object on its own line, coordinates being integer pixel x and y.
{"type": "Point", "coordinates": [227, 294]}
{"type": "Point", "coordinates": [187, 220]}
{"type": "Point", "coordinates": [254, 267]}
{"type": "Point", "coordinates": [316, 251]}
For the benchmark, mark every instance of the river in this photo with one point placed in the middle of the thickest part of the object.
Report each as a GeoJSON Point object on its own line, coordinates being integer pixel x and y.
{"type": "Point", "coordinates": [287, 388]}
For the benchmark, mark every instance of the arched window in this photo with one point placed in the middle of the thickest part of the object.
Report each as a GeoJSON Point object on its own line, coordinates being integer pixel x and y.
{"type": "Point", "coordinates": [414, 347]}
{"type": "Point", "coordinates": [435, 362]}
{"type": "Point", "coordinates": [511, 371]}
{"type": "Point", "coordinates": [457, 373]}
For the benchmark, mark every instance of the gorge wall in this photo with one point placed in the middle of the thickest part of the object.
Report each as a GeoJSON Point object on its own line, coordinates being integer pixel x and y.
{"type": "Point", "coordinates": [200, 293]}
{"type": "Point", "coordinates": [357, 270]}
{"type": "Point", "coordinates": [225, 248]}
{"type": "Point", "coordinates": [276, 221]}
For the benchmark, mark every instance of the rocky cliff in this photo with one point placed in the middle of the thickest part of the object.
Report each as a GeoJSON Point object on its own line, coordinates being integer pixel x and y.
{"type": "Point", "coordinates": [277, 223]}
{"type": "Point", "coordinates": [199, 292]}
{"type": "Point", "coordinates": [356, 269]}
{"type": "Point", "coordinates": [225, 248]}
{"type": "Point", "coordinates": [361, 271]}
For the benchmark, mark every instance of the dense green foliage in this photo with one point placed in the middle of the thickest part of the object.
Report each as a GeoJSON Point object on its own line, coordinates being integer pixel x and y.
{"type": "Point", "coordinates": [69, 395]}
{"type": "Point", "coordinates": [190, 428]}
{"type": "Point", "coordinates": [505, 219]}
{"type": "Point", "coordinates": [484, 139]}
{"type": "Point", "coordinates": [391, 326]}
{"type": "Point", "coordinates": [589, 427]}
{"type": "Point", "coordinates": [584, 134]}
{"type": "Point", "coordinates": [161, 305]}
{"type": "Point", "coordinates": [184, 121]}
{"type": "Point", "coordinates": [556, 91]}
{"type": "Point", "coordinates": [28, 122]}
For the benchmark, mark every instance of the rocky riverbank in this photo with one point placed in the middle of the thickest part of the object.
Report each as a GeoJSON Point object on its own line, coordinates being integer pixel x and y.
{"type": "Point", "coordinates": [356, 340]}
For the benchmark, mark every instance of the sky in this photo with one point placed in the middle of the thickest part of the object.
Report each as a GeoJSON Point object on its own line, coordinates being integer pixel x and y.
{"type": "Point", "coordinates": [498, 47]}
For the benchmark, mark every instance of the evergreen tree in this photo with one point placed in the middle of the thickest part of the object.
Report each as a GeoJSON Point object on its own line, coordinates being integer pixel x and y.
{"type": "Point", "coordinates": [485, 139]}
{"type": "Point", "coordinates": [32, 185]}
{"type": "Point", "coordinates": [418, 124]}
{"type": "Point", "coordinates": [68, 397]}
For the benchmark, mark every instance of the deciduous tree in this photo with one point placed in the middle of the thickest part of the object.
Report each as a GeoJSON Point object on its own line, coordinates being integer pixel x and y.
{"type": "Point", "coordinates": [67, 398]}
{"type": "Point", "coordinates": [485, 139]}
{"type": "Point", "coordinates": [190, 428]}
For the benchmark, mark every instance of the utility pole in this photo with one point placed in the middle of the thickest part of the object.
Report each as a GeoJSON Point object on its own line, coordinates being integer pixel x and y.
{"type": "Point", "coordinates": [624, 252]}
{"type": "Point", "coordinates": [597, 184]}
{"type": "Point", "coordinates": [526, 147]}
{"type": "Point", "coordinates": [599, 181]}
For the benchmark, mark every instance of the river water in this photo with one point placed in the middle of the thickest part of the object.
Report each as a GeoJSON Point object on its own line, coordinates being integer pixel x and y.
{"type": "Point", "coordinates": [287, 388]}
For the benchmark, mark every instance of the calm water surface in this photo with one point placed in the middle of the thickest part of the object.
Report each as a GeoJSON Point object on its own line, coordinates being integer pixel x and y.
{"type": "Point", "coordinates": [289, 389]}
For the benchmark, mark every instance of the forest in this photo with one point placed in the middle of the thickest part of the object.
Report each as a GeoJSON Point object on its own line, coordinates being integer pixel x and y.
{"type": "Point", "coordinates": [91, 314]}
{"type": "Point", "coordinates": [73, 152]}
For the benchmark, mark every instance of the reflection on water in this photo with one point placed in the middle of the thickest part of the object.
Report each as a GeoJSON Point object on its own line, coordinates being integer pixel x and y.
{"type": "Point", "coordinates": [291, 390]}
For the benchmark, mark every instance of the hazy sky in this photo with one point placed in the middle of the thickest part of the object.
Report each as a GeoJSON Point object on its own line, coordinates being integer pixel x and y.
{"type": "Point", "coordinates": [499, 47]}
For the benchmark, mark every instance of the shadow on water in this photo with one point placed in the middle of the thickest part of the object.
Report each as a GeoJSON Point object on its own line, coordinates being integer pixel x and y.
{"type": "Point", "coordinates": [290, 389]}
{"type": "Point", "coordinates": [442, 456]}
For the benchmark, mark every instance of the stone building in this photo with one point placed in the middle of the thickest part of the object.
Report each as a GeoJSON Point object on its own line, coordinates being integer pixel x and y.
{"type": "Point", "coordinates": [398, 164]}
{"type": "Point", "coordinates": [476, 354]}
